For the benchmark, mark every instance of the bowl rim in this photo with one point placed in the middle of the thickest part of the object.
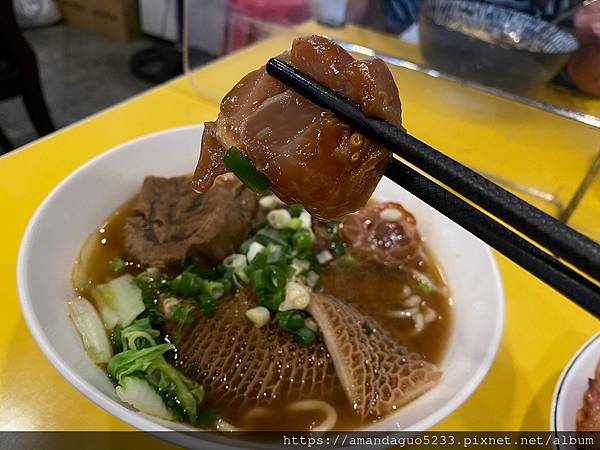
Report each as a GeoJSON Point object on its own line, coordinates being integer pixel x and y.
{"type": "Point", "coordinates": [137, 419]}
{"type": "Point", "coordinates": [558, 388]}
{"type": "Point", "coordinates": [478, 4]}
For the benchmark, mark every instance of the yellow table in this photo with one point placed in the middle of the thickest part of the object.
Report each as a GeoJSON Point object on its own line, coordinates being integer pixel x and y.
{"type": "Point", "coordinates": [542, 329]}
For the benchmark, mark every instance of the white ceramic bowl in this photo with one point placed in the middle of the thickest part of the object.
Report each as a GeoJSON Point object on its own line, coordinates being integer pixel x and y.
{"type": "Point", "coordinates": [85, 198]}
{"type": "Point", "coordinates": [572, 384]}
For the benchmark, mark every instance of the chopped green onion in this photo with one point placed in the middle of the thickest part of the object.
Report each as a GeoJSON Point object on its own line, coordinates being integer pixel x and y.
{"type": "Point", "coordinates": [116, 264]}
{"type": "Point", "coordinates": [254, 249]}
{"type": "Point", "coordinates": [256, 280]}
{"type": "Point", "coordinates": [244, 169]}
{"type": "Point", "coordinates": [279, 218]}
{"type": "Point", "coordinates": [291, 320]}
{"type": "Point", "coordinates": [425, 287]}
{"type": "Point", "coordinates": [263, 133]}
{"type": "Point", "coordinates": [277, 256]}
{"type": "Point", "coordinates": [302, 240]}
{"type": "Point", "coordinates": [208, 274]}
{"type": "Point", "coordinates": [182, 313]}
{"type": "Point", "coordinates": [295, 223]}
{"type": "Point", "coordinates": [246, 246]}
{"type": "Point", "coordinates": [207, 304]}
{"type": "Point", "coordinates": [305, 337]}
{"type": "Point", "coordinates": [275, 278]}
{"type": "Point", "coordinates": [186, 283]}
{"type": "Point", "coordinates": [296, 209]}
{"type": "Point", "coordinates": [367, 328]}
{"type": "Point", "coordinates": [235, 261]}
{"type": "Point", "coordinates": [268, 236]}
{"type": "Point", "coordinates": [214, 288]}
{"type": "Point", "coordinates": [346, 260]}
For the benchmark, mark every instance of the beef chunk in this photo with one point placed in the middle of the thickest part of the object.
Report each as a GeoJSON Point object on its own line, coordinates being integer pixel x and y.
{"type": "Point", "coordinates": [170, 221]}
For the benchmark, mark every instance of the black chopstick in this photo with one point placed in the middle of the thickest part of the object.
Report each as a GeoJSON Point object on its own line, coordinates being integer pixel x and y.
{"type": "Point", "coordinates": [544, 266]}
{"type": "Point", "coordinates": [540, 227]}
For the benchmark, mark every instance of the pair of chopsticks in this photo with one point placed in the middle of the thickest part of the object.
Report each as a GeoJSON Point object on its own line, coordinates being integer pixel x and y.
{"type": "Point", "coordinates": [554, 241]}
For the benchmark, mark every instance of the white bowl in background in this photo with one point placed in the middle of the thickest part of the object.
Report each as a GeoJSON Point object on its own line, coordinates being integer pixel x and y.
{"type": "Point", "coordinates": [80, 203]}
{"type": "Point", "coordinates": [571, 386]}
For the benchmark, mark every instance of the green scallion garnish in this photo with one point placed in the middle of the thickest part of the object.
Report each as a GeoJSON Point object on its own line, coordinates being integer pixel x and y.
{"type": "Point", "coordinates": [116, 264]}
{"type": "Point", "coordinates": [244, 169]}
{"type": "Point", "coordinates": [263, 133]}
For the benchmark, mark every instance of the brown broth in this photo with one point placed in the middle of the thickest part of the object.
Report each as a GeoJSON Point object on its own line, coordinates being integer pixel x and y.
{"type": "Point", "coordinates": [373, 289]}
{"type": "Point", "coordinates": [377, 290]}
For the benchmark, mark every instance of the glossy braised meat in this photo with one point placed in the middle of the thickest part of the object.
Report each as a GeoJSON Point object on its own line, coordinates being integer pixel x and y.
{"type": "Point", "coordinates": [588, 417]}
{"type": "Point", "coordinates": [385, 233]}
{"type": "Point", "coordinates": [309, 155]}
{"type": "Point", "coordinates": [170, 221]}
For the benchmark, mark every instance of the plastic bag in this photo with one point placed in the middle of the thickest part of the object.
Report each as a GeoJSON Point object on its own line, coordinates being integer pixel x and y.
{"type": "Point", "coordinates": [36, 13]}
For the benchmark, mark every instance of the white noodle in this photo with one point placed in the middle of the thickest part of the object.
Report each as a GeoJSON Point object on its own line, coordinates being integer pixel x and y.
{"type": "Point", "coordinates": [403, 313]}
{"type": "Point", "coordinates": [308, 405]}
{"type": "Point", "coordinates": [429, 315]}
{"type": "Point", "coordinates": [419, 322]}
{"type": "Point", "coordinates": [256, 412]}
{"type": "Point", "coordinates": [412, 301]}
{"type": "Point", "coordinates": [406, 291]}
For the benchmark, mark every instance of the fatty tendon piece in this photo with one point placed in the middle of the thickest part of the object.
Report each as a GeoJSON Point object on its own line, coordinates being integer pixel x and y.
{"type": "Point", "coordinates": [308, 154]}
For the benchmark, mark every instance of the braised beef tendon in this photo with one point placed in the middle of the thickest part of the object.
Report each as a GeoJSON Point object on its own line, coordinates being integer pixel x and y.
{"type": "Point", "coordinates": [309, 155]}
{"type": "Point", "coordinates": [171, 222]}
{"type": "Point", "coordinates": [384, 233]}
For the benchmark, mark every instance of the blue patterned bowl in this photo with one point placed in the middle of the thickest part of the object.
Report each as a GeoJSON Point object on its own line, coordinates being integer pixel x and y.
{"type": "Point", "coordinates": [492, 45]}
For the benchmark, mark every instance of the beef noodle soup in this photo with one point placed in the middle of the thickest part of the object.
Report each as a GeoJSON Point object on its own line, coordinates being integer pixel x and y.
{"type": "Point", "coordinates": [374, 292]}
{"type": "Point", "coordinates": [301, 307]}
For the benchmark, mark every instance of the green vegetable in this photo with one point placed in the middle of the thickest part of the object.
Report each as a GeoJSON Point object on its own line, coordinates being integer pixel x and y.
{"type": "Point", "coordinates": [208, 274]}
{"type": "Point", "coordinates": [119, 301]}
{"type": "Point", "coordinates": [336, 246]}
{"type": "Point", "coordinates": [152, 283]}
{"type": "Point", "coordinates": [138, 335]}
{"type": "Point", "coordinates": [305, 337]}
{"type": "Point", "coordinates": [182, 313]}
{"type": "Point", "coordinates": [244, 169]}
{"type": "Point", "coordinates": [302, 240]}
{"type": "Point", "coordinates": [425, 287]}
{"type": "Point", "coordinates": [143, 397]}
{"type": "Point", "coordinates": [367, 328]}
{"type": "Point", "coordinates": [116, 264]}
{"type": "Point", "coordinates": [266, 236]}
{"type": "Point", "coordinates": [346, 260]}
{"type": "Point", "coordinates": [90, 328]}
{"type": "Point", "coordinates": [215, 289]}
{"type": "Point", "coordinates": [186, 283]}
{"type": "Point", "coordinates": [294, 224]}
{"type": "Point", "coordinates": [179, 391]}
{"type": "Point", "coordinates": [245, 246]}
{"type": "Point", "coordinates": [207, 304]}
{"type": "Point", "coordinates": [275, 278]}
{"type": "Point", "coordinates": [291, 320]}
{"type": "Point", "coordinates": [296, 209]}
{"type": "Point", "coordinates": [115, 339]}
{"type": "Point", "coordinates": [263, 133]}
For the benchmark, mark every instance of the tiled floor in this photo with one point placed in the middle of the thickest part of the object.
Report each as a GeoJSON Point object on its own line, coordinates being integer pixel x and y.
{"type": "Point", "coordinates": [82, 72]}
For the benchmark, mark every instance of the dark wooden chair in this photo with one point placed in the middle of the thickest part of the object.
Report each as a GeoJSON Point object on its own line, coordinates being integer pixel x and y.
{"type": "Point", "coordinates": [19, 74]}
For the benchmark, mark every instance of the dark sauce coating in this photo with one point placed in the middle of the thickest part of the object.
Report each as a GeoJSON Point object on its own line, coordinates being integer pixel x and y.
{"type": "Point", "coordinates": [302, 148]}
